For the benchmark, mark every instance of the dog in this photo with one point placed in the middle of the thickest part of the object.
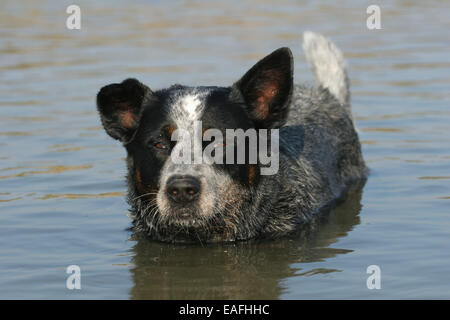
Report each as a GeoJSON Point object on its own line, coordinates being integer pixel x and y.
{"type": "Point", "coordinates": [319, 155]}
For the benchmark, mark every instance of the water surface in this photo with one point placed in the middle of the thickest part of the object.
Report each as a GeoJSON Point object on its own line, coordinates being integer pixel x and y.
{"type": "Point", "coordinates": [62, 178]}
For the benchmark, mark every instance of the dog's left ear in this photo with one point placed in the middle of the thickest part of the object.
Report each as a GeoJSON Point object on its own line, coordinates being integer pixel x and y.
{"type": "Point", "coordinates": [267, 88]}
{"type": "Point", "coordinates": [120, 106]}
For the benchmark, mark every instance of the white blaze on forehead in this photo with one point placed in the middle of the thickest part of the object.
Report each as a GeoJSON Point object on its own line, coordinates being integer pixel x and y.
{"type": "Point", "coordinates": [188, 108]}
{"type": "Point", "coordinates": [191, 104]}
{"type": "Point", "coordinates": [186, 112]}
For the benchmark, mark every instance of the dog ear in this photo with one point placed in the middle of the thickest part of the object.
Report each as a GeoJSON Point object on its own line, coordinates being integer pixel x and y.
{"type": "Point", "coordinates": [267, 88]}
{"type": "Point", "coordinates": [120, 107]}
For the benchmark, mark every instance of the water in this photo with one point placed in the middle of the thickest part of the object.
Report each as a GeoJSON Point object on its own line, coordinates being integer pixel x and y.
{"type": "Point", "coordinates": [62, 178]}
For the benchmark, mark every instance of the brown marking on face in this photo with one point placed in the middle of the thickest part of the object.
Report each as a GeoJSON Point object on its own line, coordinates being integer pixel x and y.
{"type": "Point", "coordinates": [142, 188]}
{"type": "Point", "coordinates": [169, 130]}
{"type": "Point", "coordinates": [251, 174]}
{"type": "Point", "coordinates": [139, 184]}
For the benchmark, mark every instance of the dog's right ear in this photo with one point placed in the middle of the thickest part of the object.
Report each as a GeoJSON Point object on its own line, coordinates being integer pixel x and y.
{"type": "Point", "coordinates": [267, 89]}
{"type": "Point", "coordinates": [120, 106]}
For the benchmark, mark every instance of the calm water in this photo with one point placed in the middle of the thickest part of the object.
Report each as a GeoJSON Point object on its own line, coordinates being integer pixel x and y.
{"type": "Point", "coordinates": [62, 178]}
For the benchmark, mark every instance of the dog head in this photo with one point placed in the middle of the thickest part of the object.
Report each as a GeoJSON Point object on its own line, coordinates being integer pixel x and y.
{"type": "Point", "coordinates": [177, 200]}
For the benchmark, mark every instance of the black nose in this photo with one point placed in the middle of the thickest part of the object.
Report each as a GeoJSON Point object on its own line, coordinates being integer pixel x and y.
{"type": "Point", "coordinates": [183, 189]}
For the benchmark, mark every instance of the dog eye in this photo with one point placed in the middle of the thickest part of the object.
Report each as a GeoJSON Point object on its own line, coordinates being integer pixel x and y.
{"type": "Point", "coordinates": [159, 145]}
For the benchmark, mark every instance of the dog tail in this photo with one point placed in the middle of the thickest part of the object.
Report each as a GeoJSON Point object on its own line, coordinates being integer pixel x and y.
{"type": "Point", "coordinates": [328, 65]}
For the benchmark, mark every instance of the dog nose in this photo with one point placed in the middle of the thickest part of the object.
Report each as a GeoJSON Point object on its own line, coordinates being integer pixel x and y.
{"type": "Point", "coordinates": [183, 189]}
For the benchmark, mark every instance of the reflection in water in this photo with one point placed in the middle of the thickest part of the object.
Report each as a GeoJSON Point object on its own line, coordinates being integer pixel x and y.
{"type": "Point", "coordinates": [244, 270]}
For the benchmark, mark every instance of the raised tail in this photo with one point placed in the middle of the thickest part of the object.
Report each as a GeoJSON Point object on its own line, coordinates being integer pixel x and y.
{"type": "Point", "coordinates": [328, 65]}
